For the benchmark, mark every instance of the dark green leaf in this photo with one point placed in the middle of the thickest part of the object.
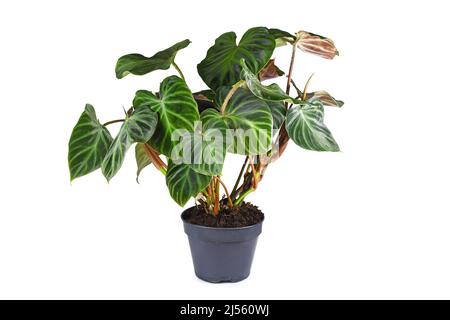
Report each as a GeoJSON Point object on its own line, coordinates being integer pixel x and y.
{"type": "Point", "coordinates": [139, 127]}
{"type": "Point", "coordinates": [183, 182]}
{"type": "Point", "coordinates": [207, 94]}
{"type": "Point", "coordinates": [176, 108]}
{"type": "Point", "coordinates": [139, 65]}
{"type": "Point", "coordinates": [204, 149]}
{"type": "Point", "coordinates": [204, 99]}
{"type": "Point", "coordinates": [88, 144]}
{"type": "Point", "coordinates": [281, 37]}
{"type": "Point", "coordinates": [251, 119]}
{"type": "Point", "coordinates": [271, 92]}
{"type": "Point", "coordinates": [142, 159]}
{"type": "Point", "coordinates": [278, 113]}
{"type": "Point", "coordinates": [221, 66]}
{"type": "Point", "coordinates": [304, 125]}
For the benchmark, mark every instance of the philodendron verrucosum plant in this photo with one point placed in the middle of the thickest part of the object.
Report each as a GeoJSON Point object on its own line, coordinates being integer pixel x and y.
{"type": "Point", "coordinates": [186, 135]}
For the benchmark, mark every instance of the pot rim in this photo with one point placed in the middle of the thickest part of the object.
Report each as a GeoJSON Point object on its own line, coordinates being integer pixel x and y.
{"type": "Point", "coordinates": [219, 228]}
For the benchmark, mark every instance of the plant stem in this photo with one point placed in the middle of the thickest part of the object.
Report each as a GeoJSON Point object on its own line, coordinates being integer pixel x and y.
{"type": "Point", "coordinates": [242, 196]}
{"type": "Point", "coordinates": [216, 196]}
{"type": "Point", "coordinates": [239, 177]}
{"type": "Point", "coordinates": [291, 69]}
{"type": "Point", "coordinates": [226, 192]}
{"type": "Point", "coordinates": [113, 121]}
{"type": "Point", "coordinates": [156, 160]}
{"type": "Point", "coordinates": [230, 94]}
{"type": "Point", "coordinates": [178, 69]}
{"type": "Point", "coordinates": [255, 181]}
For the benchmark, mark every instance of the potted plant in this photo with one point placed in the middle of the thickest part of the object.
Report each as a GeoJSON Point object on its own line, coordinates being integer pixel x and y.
{"type": "Point", "coordinates": [186, 136]}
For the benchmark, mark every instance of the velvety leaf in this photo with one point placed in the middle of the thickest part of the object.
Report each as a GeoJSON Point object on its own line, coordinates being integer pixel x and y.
{"type": "Point", "coordinates": [209, 145]}
{"type": "Point", "coordinates": [251, 117]}
{"type": "Point", "coordinates": [176, 108]}
{"type": "Point", "coordinates": [271, 92]}
{"type": "Point", "coordinates": [88, 144]}
{"type": "Point", "coordinates": [315, 44]}
{"type": "Point", "coordinates": [281, 37]}
{"type": "Point", "coordinates": [138, 64]}
{"type": "Point", "coordinates": [304, 125]}
{"type": "Point", "coordinates": [142, 159]}
{"type": "Point", "coordinates": [139, 127]}
{"type": "Point", "coordinates": [183, 182]}
{"type": "Point", "coordinates": [221, 66]}
{"type": "Point", "coordinates": [270, 71]}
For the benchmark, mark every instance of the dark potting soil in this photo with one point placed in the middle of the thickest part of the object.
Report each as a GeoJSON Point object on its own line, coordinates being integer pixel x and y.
{"type": "Point", "coordinates": [244, 215]}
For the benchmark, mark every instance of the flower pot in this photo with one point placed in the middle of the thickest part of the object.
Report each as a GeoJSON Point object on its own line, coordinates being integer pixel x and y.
{"type": "Point", "coordinates": [222, 254]}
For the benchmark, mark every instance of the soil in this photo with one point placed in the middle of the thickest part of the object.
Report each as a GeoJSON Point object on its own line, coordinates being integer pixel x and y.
{"type": "Point", "coordinates": [243, 216]}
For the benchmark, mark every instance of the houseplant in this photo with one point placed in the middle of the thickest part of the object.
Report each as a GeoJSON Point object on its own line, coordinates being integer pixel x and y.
{"type": "Point", "coordinates": [186, 136]}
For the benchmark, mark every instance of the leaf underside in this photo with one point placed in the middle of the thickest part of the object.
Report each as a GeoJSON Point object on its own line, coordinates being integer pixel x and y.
{"type": "Point", "coordinates": [142, 159]}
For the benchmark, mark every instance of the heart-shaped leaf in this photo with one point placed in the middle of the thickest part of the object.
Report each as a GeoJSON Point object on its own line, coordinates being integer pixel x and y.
{"type": "Point", "coordinates": [271, 92]}
{"type": "Point", "coordinates": [176, 108]}
{"type": "Point", "coordinates": [250, 119]}
{"type": "Point", "coordinates": [184, 182]}
{"type": "Point", "coordinates": [221, 66]}
{"type": "Point", "coordinates": [139, 127]}
{"type": "Point", "coordinates": [304, 125]}
{"type": "Point", "coordinates": [88, 144]}
{"type": "Point", "coordinates": [138, 64]}
{"type": "Point", "coordinates": [142, 159]}
{"type": "Point", "coordinates": [204, 149]}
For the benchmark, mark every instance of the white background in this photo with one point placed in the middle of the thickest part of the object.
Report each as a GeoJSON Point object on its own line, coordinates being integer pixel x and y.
{"type": "Point", "coordinates": [369, 222]}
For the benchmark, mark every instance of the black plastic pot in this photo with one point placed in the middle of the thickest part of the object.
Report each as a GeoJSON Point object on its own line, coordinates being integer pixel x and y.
{"type": "Point", "coordinates": [222, 254]}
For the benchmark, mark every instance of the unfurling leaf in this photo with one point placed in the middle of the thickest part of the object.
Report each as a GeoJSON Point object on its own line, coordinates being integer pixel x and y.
{"type": "Point", "coordinates": [183, 182]}
{"type": "Point", "coordinates": [176, 108]}
{"type": "Point", "coordinates": [138, 64]}
{"type": "Point", "coordinates": [142, 159]}
{"type": "Point", "coordinates": [325, 98]}
{"type": "Point", "coordinates": [315, 44]}
{"type": "Point", "coordinates": [304, 125]}
{"type": "Point", "coordinates": [139, 127]}
{"type": "Point", "coordinates": [270, 71]}
{"type": "Point", "coordinates": [88, 144]}
{"type": "Point", "coordinates": [221, 65]}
